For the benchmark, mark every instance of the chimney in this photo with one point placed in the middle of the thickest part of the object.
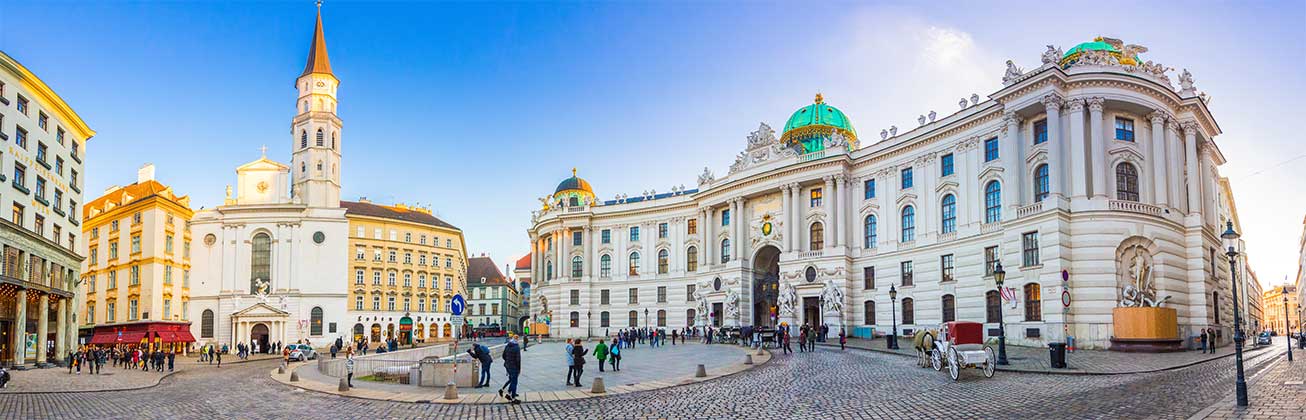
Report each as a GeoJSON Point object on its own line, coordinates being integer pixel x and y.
{"type": "Point", "coordinates": [111, 189]}
{"type": "Point", "coordinates": [145, 173]}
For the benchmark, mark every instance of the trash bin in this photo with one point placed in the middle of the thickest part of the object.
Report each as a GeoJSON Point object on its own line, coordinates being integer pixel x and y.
{"type": "Point", "coordinates": [1058, 354]}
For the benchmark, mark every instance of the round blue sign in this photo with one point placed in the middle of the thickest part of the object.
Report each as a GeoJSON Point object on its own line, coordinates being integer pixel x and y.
{"type": "Point", "coordinates": [457, 304]}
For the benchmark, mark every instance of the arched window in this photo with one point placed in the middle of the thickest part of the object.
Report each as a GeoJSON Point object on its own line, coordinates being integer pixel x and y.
{"type": "Point", "coordinates": [949, 213]}
{"type": "Point", "coordinates": [1126, 182]}
{"type": "Point", "coordinates": [992, 202]}
{"type": "Point", "coordinates": [690, 315]}
{"type": "Point", "coordinates": [869, 236]}
{"type": "Point", "coordinates": [1041, 184]}
{"type": "Point", "coordinates": [605, 266]}
{"type": "Point", "coordinates": [577, 267]}
{"type": "Point", "coordinates": [662, 318]}
{"type": "Point", "coordinates": [908, 311]}
{"type": "Point", "coordinates": [949, 308]}
{"type": "Point", "coordinates": [633, 318]}
{"type": "Point", "coordinates": [634, 263]}
{"type": "Point", "coordinates": [303, 137]}
{"type": "Point", "coordinates": [548, 270]}
{"type": "Point", "coordinates": [868, 312]}
{"type": "Point", "coordinates": [315, 321]}
{"type": "Point", "coordinates": [816, 237]}
{"type": "Point", "coordinates": [333, 140]}
{"type": "Point", "coordinates": [1033, 302]}
{"type": "Point", "coordinates": [206, 324]}
{"type": "Point", "coordinates": [664, 259]}
{"type": "Point", "coordinates": [260, 263]}
{"type": "Point", "coordinates": [992, 302]}
{"type": "Point", "coordinates": [574, 319]}
{"type": "Point", "coordinates": [605, 320]}
{"type": "Point", "coordinates": [691, 259]}
{"type": "Point", "coordinates": [725, 250]}
{"type": "Point", "coordinates": [320, 138]}
{"type": "Point", "coordinates": [908, 224]}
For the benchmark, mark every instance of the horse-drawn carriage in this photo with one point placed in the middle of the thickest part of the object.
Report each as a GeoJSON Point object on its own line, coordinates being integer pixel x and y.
{"type": "Point", "coordinates": [958, 345]}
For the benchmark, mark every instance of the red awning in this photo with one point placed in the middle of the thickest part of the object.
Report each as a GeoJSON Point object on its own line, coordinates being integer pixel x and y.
{"type": "Point", "coordinates": [183, 336]}
{"type": "Point", "coordinates": [130, 337]}
{"type": "Point", "coordinates": [104, 337]}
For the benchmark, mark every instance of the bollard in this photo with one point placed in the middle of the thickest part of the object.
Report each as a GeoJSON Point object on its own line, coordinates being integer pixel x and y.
{"type": "Point", "coordinates": [598, 387]}
{"type": "Point", "coordinates": [294, 376]}
{"type": "Point", "coordinates": [281, 370]}
{"type": "Point", "coordinates": [344, 385]}
{"type": "Point", "coordinates": [451, 391]}
{"type": "Point", "coordinates": [748, 359]}
{"type": "Point", "coordinates": [701, 372]}
{"type": "Point", "coordinates": [760, 351]}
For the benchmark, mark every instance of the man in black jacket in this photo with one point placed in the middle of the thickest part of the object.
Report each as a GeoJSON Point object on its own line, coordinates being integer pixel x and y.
{"type": "Point", "coordinates": [482, 354]}
{"type": "Point", "coordinates": [578, 353]}
{"type": "Point", "coordinates": [512, 366]}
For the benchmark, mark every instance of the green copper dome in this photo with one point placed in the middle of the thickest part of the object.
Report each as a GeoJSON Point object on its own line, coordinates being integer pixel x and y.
{"type": "Point", "coordinates": [809, 124]}
{"type": "Point", "coordinates": [1099, 44]}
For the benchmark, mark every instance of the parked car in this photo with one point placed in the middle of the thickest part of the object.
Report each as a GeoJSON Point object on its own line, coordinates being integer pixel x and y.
{"type": "Point", "coordinates": [302, 352]}
{"type": "Point", "coordinates": [1262, 339]}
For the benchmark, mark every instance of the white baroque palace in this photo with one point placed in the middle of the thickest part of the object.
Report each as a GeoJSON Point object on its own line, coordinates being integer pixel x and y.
{"type": "Point", "coordinates": [1091, 176]}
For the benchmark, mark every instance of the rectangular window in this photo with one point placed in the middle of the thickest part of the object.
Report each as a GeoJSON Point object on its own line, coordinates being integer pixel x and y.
{"type": "Point", "coordinates": [662, 230]}
{"type": "Point", "coordinates": [604, 297]}
{"type": "Point", "coordinates": [634, 233]}
{"type": "Point", "coordinates": [869, 186]}
{"type": "Point", "coordinates": [358, 276]}
{"type": "Point", "coordinates": [945, 165]}
{"type": "Point", "coordinates": [18, 214]}
{"type": "Point", "coordinates": [359, 254]}
{"type": "Point", "coordinates": [167, 244]}
{"type": "Point", "coordinates": [41, 153]}
{"type": "Point", "coordinates": [574, 297]}
{"type": "Point", "coordinates": [113, 251]}
{"type": "Point", "coordinates": [134, 276]}
{"type": "Point", "coordinates": [906, 178]}
{"type": "Point", "coordinates": [43, 121]}
{"type": "Point", "coordinates": [868, 277]}
{"type": "Point", "coordinates": [606, 236]}
{"type": "Point", "coordinates": [22, 105]}
{"type": "Point", "coordinates": [990, 260]}
{"type": "Point", "coordinates": [691, 226]}
{"type": "Point", "coordinates": [58, 165]}
{"type": "Point", "coordinates": [133, 309]}
{"type": "Point", "coordinates": [662, 294]}
{"type": "Point", "coordinates": [991, 149]}
{"type": "Point", "coordinates": [633, 297]}
{"type": "Point", "coordinates": [40, 188]}
{"type": "Point", "coordinates": [167, 275]}
{"type": "Point", "coordinates": [1041, 132]}
{"type": "Point", "coordinates": [1029, 246]}
{"type": "Point", "coordinates": [689, 292]}
{"type": "Point", "coordinates": [725, 217]}
{"type": "Point", "coordinates": [907, 274]}
{"type": "Point", "coordinates": [113, 280]}
{"type": "Point", "coordinates": [136, 244]}
{"type": "Point", "coordinates": [945, 268]}
{"type": "Point", "coordinates": [816, 198]}
{"type": "Point", "coordinates": [1124, 129]}
{"type": "Point", "coordinates": [577, 237]}
{"type": "Point", "coordinates": [38, 225]}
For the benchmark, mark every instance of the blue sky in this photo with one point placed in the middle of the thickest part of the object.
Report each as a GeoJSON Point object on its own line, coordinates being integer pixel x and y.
{"type": "Point", "coordinates": [479, 108]}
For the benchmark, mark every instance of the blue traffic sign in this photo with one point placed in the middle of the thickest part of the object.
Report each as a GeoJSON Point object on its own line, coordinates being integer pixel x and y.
{"type": "Point", "coordinates": [457, 304]}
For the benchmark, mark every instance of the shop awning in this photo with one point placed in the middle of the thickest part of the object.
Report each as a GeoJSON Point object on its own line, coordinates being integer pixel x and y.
{"type": "Point", "coordinates": [183, 336]}
{"type": "Point", "coordinates": [130, 337]}
{"type": "Point", "coordinates": [104, 337]}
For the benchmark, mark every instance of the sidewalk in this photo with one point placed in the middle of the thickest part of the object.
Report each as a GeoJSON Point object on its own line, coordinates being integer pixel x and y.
{"type": "Point", "coordinates": [1081, 362]}
{"type": "Point", "coordinates": [1275, 393]}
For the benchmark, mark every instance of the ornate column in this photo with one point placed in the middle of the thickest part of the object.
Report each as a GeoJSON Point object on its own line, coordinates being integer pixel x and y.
{"type": "Point", "coordinates": [1095, 106]}
{"type": "Point", "coordinates": [796, 215]}
{"type": "Point", "coordinates": [741, 228]}
{"type": "Point", "coordinates": [1052, 104]}
{"type": "Point", "coordinates": [709, 242]}
{"type": "Point", "coordinates": [564, 254]}
{"type": "Point", "coordinates": [1078, 172]}
{"type": "Point", "coordinates": [786, 201]}
{"type": "Point", "coordinates": [854, 219]}
{"type": "Point", "coordinates": [1158, 159]}
{"type": "Point", "coordinates": [1012, 173]}
{"type": "Point", "coordinates": [829, 211]}
{"type": "Point", "coordinates": [20, 327]}
{"type": "Point", "coordinates": [61, 334]}
{"type": "Point", "coordinates": [891, 216]}
{"type": "Point", "coordinates": [704, 245]}
{"type": "Point", "coordinates": [840, 213]}
{"type": "Point", "coordinates": [586, 243]}
{"type": "Point", "coordinates": [42, 327]}
{"type": "Point", "coordinates": [1193, 167]}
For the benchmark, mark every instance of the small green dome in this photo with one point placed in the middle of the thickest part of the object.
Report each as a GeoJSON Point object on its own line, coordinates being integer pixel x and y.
{"type": "Point", "coordinates": [817, 120]}
{"type": "Point", "coordinates": [1096, 45]}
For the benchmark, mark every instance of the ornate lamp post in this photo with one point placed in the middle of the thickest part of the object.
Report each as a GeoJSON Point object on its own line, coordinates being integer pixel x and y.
{"type": "Point", "coordinates": [999, 276]}
{"type": "Point", "coordinates": [645, 317]}
{"type": "Point", "coordinates": [1240, 384]}
{"type": "Point", "coordinates": [589, 324]}
{"type": "Point", "coordinates": [893, 310]}
{"type": "Point", "coordinates": [1287, 326]}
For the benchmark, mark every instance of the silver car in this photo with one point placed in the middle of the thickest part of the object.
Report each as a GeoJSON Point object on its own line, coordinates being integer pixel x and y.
{"type": "Point", "coordinates": [302, 352]}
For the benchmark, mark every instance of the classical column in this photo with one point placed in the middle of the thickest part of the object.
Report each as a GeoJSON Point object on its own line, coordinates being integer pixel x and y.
{"type": "Point", "coordinates": [736, 218]}
{"type": "Point", "coordinates": [20, 327]}
{"type": "Point", "coordinates": [61, 334]}
{"type": "Point", "coordinates": [1193, 166]}
{"type": "Point", "coordinates": [826, 192]}
{"type": "Point", "coordinates": [742, 248]}
{"type": "Point", "coordinates": [1174, 162]}
{"type": "Point", "coordinates": [704, 245]}
{"type": "Point", "coordinates": [42, 327]}
{"type": "Point", "coordinates": [1078, 173]}
{"type": "Point", "coordinates": [710, 244]}
{"type": "Point", "coordinates": [1012, 173]}
{"type": "Point", "coordinates": [786, 200]}
{"type": "Point", "coordinates": [839, 225]}
{"type": "Point", "coordinates": [1159, 159]}
{"type": "Point", "coordinates": [1052, 103]}
{"type": "Point", "coordinates": [965, 183]}
{"type": "Point", "coordinates": [795, 215]}
{"type": "Point", "coordinates": [855, 224]}
{"type": "Point", "coordinates": [585, 241]}
{"type": "Point", "coordinates": [1099, 139]}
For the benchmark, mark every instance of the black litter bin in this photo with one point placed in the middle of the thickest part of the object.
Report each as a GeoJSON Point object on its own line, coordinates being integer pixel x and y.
{"type": "Point", "coordinates": [1058, 354]}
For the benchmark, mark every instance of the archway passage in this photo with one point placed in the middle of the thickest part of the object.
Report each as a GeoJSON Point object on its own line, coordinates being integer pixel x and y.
{"type": "Point", "coordinates": [766, 286]}
{"type": "Point", "coordinates": [259, 334]}
{"type": "Point", "coordinates": [358, 332]}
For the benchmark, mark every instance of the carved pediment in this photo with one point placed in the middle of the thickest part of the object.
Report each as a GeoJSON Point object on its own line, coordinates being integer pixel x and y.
{"type": "Point", "coordinates": [990, 171]}
{"type": "Point", "coordinates": [905, 197]}
{"type": "Point", "coordinates": [1127, 154]}
{"type": "Point", "coordinates": [946, 186]}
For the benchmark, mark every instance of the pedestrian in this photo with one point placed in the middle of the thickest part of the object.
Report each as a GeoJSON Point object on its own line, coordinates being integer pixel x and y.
{"type": "Point", "coordinates": [578, 353]}
{"type": "Point", "coordinates": [1203, 340]}
{"type": "Point", "coordinates": [1214, 342]}
{"type": "Point", "coordinates": [525, 342]}
{"type": "Point", "coordinates": [172, 357]}
{"type": "Point", "coordinates": [349, 369]}
{"type": "Point", "coordinates": [4, 378]}
{"type": "Point", "coordinates": [614, 354]}
{"type": "Point", "coordinates": [482, 354]}
{"type": "Point", "coordinates": [601, 353]}
{"type": "Point", "coordinates": [512, 367]}
{"type": "Point", "coordinates": [843, 338]}
{"type": "Point", "coordinates": [571, 361]}
{"type": "Point", "coordinates": [219, 356]}
{"type": "Point", "coordinates": [787, 348]}
{"type": "Point", "coordinates": [802, 339]}
{"type": "Point", "coordinates": [211, 352]}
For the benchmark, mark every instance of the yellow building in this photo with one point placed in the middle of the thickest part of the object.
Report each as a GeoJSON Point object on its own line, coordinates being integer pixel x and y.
{"type": "Point", "coordinates": [406, 264]}
{"type": "Point", "coordinates": [137, 267]}
{"type": "Point", "coordinates": [1274, 313]}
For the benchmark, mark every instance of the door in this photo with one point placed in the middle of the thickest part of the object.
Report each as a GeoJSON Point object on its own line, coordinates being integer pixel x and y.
{"type": "Point", "coordinates": [716, 314]}
{"type": "Point", "coordinates": [812, 311]}
{"type": "Point", "coordinates": [259, 334]}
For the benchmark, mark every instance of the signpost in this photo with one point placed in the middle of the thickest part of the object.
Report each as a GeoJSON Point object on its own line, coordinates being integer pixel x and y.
{"type": "Point", "coordinates": [1065, 310]}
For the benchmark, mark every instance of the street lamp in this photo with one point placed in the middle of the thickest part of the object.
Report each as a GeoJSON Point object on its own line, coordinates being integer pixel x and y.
{"type": "Point", "coordinates": [999, 276]}
{"type": "Point", "coordinates": [589, 324]}
{"type": "Point", "coordinates": [893, 310]}
{"type": "Point", "coordinates": [646, 318]}
{"type": "Point", "coordinates": [1231, 242]}
{"type": "Point", "coordinates": [1287, 326]}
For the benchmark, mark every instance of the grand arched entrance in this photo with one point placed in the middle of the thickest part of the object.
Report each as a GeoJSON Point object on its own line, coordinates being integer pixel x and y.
{"type": "Point", "coordinates": [766, 286]}
{"type": "Point", "coordinates": [259, 334]}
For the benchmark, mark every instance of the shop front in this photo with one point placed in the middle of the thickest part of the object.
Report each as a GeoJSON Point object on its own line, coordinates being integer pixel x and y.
{"type": "Point", "coordinates": [168, 336]}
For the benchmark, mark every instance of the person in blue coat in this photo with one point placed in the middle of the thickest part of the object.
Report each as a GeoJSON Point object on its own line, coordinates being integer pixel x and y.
{"type": "Point", "coordinates": [482, 354]}
{"type": "Point", "coordinates": [512, 366]}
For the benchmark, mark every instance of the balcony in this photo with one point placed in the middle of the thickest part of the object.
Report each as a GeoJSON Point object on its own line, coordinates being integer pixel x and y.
{"type": "Point", "coordinates": [1136, 207]}
{"type": "Point", "coordinates": [811, 254]}
{"type": "Point", "coordinates": [990, 227]}
{"type": "Point", "coordinates": [947, 237]}
{"type": "Point", "coordinates": [1030, 210]}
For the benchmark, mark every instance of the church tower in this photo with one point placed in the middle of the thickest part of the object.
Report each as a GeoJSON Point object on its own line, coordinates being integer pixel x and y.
{"type": "Point", "coordinates": [315, 131]}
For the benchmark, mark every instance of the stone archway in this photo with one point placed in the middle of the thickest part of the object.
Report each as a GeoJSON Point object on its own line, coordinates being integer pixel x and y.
{"type": "Point", "coordinates": [259, 334]}
{"type": "Point", "coordinates": [766, 286]}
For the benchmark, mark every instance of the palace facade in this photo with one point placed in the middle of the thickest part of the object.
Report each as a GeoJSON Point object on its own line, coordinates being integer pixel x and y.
{"type": "Point", "coordinates": [1091, 179]}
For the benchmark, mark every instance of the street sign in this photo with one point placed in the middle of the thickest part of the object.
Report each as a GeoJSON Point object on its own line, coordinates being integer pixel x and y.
{"type": "Point", "coordinates": [457, 304]}
{"type": "Point", "coordinates": [1065, 298]}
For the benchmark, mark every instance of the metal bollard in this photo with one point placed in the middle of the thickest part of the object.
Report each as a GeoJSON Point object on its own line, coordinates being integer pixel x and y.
{"type": "Point", "coordinates": [760, 351]}
{"type": "Point", "coordinates": [451, 391]}
{"type": "Point", "coordinates": [344, 385]}
{"type": "Point", "coordinates": [701, 372]}
{"type": "Point", "coordinates": [294, 376]}
{"type": "Point", "coordinates": [748, 359]}
{"type": "Point", "coordinates": [597, 387]}
{"type": "Point", "coordinates": [281, 370]}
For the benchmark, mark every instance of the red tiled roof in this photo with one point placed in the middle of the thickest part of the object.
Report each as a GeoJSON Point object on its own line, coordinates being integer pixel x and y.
{"type": "Point", "coordinates": [389, 212]}
{"type": "Point", "coordinates": [478, 267]}
{"type": "Point", "coordinates": [524, 262]}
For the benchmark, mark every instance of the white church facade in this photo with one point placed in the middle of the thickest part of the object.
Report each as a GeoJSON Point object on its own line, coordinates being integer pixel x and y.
{"type": "Point", "coordinates": [1081, 177]}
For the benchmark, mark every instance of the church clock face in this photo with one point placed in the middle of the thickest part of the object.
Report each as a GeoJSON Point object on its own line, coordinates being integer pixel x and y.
{"type": "Point", "coordinates": [210, 239]}
{"type": "Point", "coordinates": [319, 237]}
{"type": "Point", "coordinates": [262, 187]}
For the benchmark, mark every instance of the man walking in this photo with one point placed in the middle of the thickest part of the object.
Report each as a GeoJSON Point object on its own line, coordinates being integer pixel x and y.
{"type": "Point", "coordinates": [172, 358]}
{"type": "Point", "coordinates": [511, 366]}
{"type": "Point", "coordinates": [615, 355]}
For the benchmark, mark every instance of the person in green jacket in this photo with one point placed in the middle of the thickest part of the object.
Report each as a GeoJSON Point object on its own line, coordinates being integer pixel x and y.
{"type": "Point", "coordinates": [601, 353]}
